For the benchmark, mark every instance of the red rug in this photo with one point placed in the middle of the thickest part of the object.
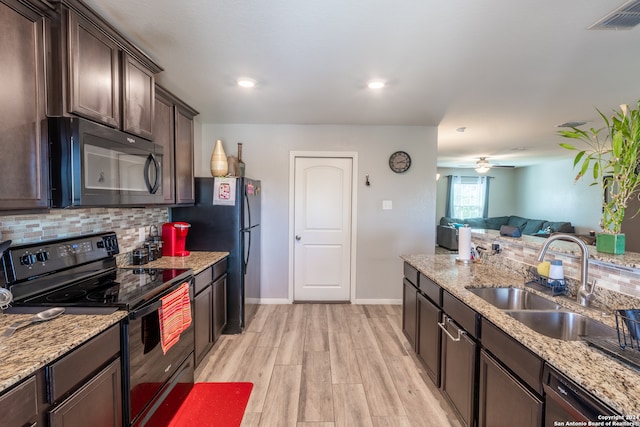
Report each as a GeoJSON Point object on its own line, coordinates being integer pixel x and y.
{"type": "Point", "coordinates": [213, 405]}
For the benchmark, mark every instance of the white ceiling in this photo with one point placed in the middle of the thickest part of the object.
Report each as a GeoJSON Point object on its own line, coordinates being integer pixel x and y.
{"type": "Point", "coordinates": [507, 70]}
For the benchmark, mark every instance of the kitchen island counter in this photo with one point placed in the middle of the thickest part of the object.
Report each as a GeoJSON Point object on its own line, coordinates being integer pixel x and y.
{"type": "Point", "coordinates": [614, 383]}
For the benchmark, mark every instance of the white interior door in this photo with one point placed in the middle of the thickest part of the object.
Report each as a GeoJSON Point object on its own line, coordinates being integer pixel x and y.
{"type": "Point", "coordinates": [322, 229]}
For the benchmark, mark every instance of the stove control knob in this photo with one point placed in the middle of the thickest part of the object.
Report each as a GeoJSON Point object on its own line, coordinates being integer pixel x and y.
{"type": "Point", "coordinates": [42, 256]}
{"type": "Point", "coordinates": [28, 259]}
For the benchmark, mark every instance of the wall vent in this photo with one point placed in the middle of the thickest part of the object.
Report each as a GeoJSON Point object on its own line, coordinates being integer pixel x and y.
{"type": "Point", "coordinates": [625, 17]}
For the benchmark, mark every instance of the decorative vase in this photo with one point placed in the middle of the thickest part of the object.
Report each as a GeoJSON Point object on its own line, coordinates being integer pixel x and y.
{"type": "Point", "coordinates": [232, 161]}
{"type": "Point", "coordinates": [610, 243]}
{"type": "Point", "coordinates": [219, 165]}
{"type": "Point", "coordinates": [241, 165]}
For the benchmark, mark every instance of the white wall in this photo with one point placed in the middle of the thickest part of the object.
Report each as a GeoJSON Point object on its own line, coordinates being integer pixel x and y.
{"type": "Point", "coordinates": [547, 191]}
{"type": "Point", "coordinates": [382, 236]}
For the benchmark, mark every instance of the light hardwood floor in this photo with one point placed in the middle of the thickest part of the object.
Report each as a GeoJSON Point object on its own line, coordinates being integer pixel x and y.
{"type": "Point", "coordinates": [325, 365]}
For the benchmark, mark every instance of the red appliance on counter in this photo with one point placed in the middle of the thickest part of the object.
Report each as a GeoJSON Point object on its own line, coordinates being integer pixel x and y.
{"type": "Point", "coordinates": [174, 237]}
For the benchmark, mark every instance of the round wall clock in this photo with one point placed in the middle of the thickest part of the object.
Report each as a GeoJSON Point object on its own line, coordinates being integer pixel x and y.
{"type": "Point", "coordinates": [399, 162]}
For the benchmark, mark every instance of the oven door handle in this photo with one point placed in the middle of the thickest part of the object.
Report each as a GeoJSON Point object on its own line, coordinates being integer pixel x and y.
{"type": "Point", "coordinates": [143, 311]}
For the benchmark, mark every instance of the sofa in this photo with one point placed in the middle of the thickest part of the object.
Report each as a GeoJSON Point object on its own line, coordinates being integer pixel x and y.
{"type": "Point", "coordinates": [447, 230]}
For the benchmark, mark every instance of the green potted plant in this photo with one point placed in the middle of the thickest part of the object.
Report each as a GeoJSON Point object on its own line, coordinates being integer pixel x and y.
{"type": "Point", "coordinates": [611, 159]}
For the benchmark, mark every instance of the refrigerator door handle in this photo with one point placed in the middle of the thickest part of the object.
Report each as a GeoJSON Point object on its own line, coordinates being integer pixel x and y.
{"type": "Point", "coordinates": [248, 254]}
{"type": "Point", "coordinates": [246, 200]}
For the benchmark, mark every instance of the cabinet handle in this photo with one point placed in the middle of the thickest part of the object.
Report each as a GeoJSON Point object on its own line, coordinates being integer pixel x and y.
{"type": "Point", "coordinates": [442, 325]}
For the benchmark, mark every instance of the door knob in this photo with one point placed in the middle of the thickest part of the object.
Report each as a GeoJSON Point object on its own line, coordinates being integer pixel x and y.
{"type": "Point", "coordinates": [298, 237]}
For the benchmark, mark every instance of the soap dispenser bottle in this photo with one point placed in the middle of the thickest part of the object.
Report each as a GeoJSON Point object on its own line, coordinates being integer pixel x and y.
{"type": "Point", "coordinates": [556, 271]}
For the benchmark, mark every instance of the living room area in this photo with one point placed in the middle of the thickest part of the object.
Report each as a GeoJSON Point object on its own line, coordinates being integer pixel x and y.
{"type": "Point", "coordinates": [537, 200]}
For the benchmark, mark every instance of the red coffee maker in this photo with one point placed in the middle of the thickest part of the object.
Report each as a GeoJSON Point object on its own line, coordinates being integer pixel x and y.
{"type": "Point", "coordinates": [174, 236]}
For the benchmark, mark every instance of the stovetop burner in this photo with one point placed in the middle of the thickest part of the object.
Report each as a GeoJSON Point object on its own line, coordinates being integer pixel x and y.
{"type": "Point", "coordinates": [66, 295]}
{"type": "Point", "coordinates": [107, 296]}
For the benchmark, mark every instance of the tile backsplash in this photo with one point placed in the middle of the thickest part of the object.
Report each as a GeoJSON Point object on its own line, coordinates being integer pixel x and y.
{"type": "Point", "coordinates": [522, 252]}
{"type": "Point", "coordinates": [127, 223]}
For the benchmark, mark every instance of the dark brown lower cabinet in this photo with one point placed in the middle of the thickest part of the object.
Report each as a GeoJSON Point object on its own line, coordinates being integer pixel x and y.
{"type": "Point", "coordinates": [19, 406]}
{"type": "Point", "coordinates": [203, 314]}
{"type": "Point", "coordinates": [219, 306]}
{"type": "Point", "coordinates": [78, 395]}
{"type": "Point", "coordinates": [488, 378]}
{"type": "Point", "coordinates": [504, 401]}
{"type": "Point", "coordinates": [458, 371]}
{"type": "Point", "coordinates": [428, 343]}
{"type": "Point", "coordinates": [210, 308]}
{"type": "Point", "coordinates": [203, 323]}
{"type": "Point", "coordinates": [410, 312]}
{"type": "Point", "coordinates": [97, 403]}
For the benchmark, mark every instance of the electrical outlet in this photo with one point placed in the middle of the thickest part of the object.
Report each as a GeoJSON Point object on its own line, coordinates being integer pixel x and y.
{"type": "Point", "coordinates": [141, 234]}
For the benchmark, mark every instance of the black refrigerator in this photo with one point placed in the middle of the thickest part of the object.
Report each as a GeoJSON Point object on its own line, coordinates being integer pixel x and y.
{"type": "Point", "coordinates": [231, 225]}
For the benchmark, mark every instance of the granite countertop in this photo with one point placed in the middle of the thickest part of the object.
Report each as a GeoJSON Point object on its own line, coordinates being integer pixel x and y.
{"type": "Point", "coordinates": [613, 382]}
{"type": "Point", "coordinates": [196, 261]}
{"type": "Point", "coordinates": [35, 346]}
{"type": "Point", "coordinates": [32, 347]}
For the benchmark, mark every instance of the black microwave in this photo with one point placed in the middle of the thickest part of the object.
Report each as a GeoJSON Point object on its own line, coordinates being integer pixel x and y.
{"type": "Point", "coordinates": [94, 165]}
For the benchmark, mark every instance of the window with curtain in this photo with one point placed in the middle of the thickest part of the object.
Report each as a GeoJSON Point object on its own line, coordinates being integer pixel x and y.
{"type": "Point", "coordinates": [467, 197]}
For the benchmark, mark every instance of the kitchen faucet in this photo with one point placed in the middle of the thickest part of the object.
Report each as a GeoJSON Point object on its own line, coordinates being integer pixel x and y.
{"type": "Point", "coordinates": [583, 295]}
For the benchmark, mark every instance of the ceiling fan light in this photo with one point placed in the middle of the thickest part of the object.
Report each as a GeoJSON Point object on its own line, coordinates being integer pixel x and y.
{"type": "Point", "coordinates": [571, 124]}
{"type": "Point", "coordinates": [482, 169]}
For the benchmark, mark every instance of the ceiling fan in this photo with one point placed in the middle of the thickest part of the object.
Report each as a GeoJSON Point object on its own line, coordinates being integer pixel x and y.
{"type": "Point", "coordinates": [483, 165]}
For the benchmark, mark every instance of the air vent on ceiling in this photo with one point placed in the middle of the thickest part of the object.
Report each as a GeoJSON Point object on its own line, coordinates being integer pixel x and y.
{"type": "Point", "coordinates": [625, 17]}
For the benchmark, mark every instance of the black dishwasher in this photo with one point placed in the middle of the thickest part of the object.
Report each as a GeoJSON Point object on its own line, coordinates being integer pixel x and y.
{"type": "Point", "coordinates": [567, 401]}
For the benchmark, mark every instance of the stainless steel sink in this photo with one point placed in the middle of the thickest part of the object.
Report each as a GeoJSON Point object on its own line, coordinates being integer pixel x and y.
{"type": "Point", "coordinates": [514, 299]}
{"type": "Point", "coordinates": [562, 325]}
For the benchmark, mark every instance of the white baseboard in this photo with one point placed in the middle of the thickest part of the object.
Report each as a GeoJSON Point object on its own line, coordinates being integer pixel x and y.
{"type": "Point", "coordinates": [266, 301]}
{"type": "Point", "coordinates": [378, 301]}
{"type": "Point", "coordinates": [274, 301]}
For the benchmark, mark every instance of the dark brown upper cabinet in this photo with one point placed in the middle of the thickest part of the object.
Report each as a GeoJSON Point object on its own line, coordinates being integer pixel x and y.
{"type": "Point", "coordinates": [23, 163]}
{"type": "Point", "coordinates": [174, 131]}
{"type": "Point", "coordinates": [185, 190]}
{"type": "Point", "coordinates": [164, 135]}
{"type": "Point", "coordinates": [96, 73]}
{"type": "Point", "coordinates": [139, 98]}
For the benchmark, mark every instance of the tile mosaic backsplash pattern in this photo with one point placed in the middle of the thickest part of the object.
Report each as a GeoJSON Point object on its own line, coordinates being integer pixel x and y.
{"type": "Point", "coordinates": [520, 254]}
{"type": "Point", "coordinates": [125, 222]}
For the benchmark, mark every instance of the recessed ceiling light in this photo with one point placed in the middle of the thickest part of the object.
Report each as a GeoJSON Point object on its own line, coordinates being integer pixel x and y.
{"type": "Point", "coordinates": [376, 84]}
{"type": "Point", "coordinates": [462, 129]}
{"type": "Point", "coordinates": [246, 83]}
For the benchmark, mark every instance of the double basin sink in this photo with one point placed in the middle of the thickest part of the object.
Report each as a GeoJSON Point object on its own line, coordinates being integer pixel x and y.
{"type": "Point", "coordinates": [542, 315]}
